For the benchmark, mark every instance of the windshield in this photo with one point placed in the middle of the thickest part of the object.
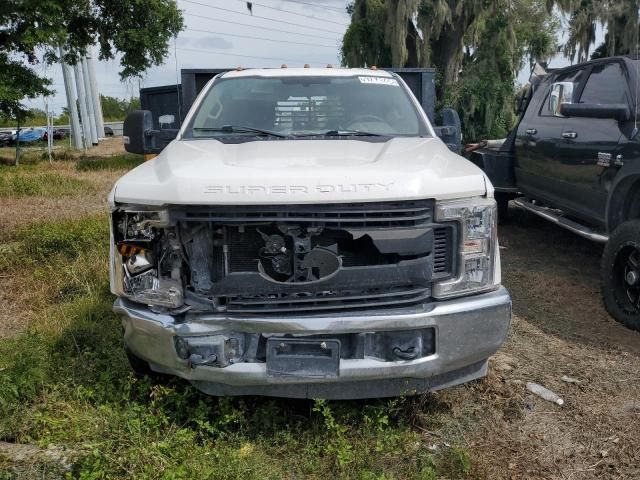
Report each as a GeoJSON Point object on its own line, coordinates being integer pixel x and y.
{"type": "Point", "coordinates": [306, 106]}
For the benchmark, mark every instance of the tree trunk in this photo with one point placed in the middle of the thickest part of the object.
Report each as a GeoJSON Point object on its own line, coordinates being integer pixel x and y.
{"type": "Point", "coordinates": [447, 54]}
{"type": "Point", "coordinates": [447, 49]}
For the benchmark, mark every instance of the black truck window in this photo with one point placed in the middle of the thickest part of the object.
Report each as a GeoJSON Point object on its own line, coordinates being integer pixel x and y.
{"type": "Point", "coordinates": [605, 85]}
{"type": "Point", "coordinates": [574, 76]}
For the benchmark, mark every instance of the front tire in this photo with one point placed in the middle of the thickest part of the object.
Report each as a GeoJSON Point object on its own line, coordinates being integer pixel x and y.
{"type": "Point", "coordinates": [621, 274]}
{"type": "Point", "coordinates": [139, 366]}
{"type": "Point", "coordinates": [502, 201]}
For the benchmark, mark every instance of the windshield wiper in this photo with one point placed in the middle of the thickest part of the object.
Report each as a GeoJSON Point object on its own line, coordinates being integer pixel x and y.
{"type": "Point", "coordinates": [351, 133]}
{"type": "Point", "coordinates": [240, 129]}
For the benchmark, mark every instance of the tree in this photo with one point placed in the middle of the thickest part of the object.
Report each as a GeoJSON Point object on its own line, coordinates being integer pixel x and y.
{"type": "Point", "coordinates": [496, 49]}
{"type": "Point", "coordinates": [621, 21]}
{"type": "Point", "coordinates": [477, 46]}
{"type": "Point", "coordinates": [445, 24]}
{"type": "Point", "coordinates": [364, 41]}
{"type": "Point", "coordinates": [32, 30]}
{"type": "Point", "coordinates": [116, 108]}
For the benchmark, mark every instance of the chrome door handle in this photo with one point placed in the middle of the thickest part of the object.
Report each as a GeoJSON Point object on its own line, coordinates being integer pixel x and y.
{"type": "Point", "coordinates": [531, 131]}
{"type": "Point", "coordinates": [569, 135]}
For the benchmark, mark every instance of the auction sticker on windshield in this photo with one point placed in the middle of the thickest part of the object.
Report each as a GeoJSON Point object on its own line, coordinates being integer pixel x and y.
{"type": "Point", "coordinates": [379, 81]}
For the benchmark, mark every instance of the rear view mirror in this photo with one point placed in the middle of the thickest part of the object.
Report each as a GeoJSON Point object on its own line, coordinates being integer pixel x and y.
{"type": "Point", "coordinates": [595, 110]}
{"type": "Point", "coordinates": [137, 132]}
{"type": "Point", "coordinates": [561, 94]}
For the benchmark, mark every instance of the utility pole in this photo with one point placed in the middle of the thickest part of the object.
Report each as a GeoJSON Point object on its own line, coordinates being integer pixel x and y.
{"type": "Point", "coordinates": [89, 101]}
{"type": "Point", "coordinates": [97, 106]}
{"type": "Point", "coordinates": [74, 124]}
{"type": "Point", "coordinates": [18, 141]}
{"type": "Point", "coordinates": [86, 129]}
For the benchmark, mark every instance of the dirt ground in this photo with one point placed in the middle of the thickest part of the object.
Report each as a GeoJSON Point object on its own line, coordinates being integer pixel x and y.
{"type": "Point", "coordinates": [22, 210]}
{"type": "Point", "coordinates": [16, 212]}
{"type": "Point", "coordinates": [559, 329]}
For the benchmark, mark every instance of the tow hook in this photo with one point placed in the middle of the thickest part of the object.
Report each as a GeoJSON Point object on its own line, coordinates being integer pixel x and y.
{"type": "Point", "coordinates": [408, 354]}
{"type": "Point", "coordinates": [196, 360]}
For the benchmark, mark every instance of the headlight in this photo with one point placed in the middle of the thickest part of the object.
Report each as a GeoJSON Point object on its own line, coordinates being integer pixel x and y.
{"type": "Point", "coordinates": [478, 243]}
{"type": "Point", "coordinates": [144, 265]}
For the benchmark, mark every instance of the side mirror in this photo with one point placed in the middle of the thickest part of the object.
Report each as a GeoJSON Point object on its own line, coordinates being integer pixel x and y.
{"type": "Point", "coordinates": [522, 99]}
{"type": "Point", "coordinates": [561, 94]}
{"type": "Point", "coordinates": [615, 111]}
{"type": "Point", "coordinates": [450, 132]}
{"type": "Point", "coordinates": [137, 132]}
{"type": "Point", "coordinates": [140, 137]}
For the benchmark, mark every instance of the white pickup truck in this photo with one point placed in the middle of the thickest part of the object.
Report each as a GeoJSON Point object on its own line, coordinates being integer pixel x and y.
{"type": "Point", "coordinates": [307, 234]}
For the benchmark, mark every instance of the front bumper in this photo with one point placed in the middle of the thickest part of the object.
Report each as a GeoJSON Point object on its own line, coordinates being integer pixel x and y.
{"type": "Point", "coordinates": [467, 331]}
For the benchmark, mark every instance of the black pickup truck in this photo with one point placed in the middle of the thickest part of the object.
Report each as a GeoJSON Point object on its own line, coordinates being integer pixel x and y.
{"type": "Point", "coordinates": [574, 159]}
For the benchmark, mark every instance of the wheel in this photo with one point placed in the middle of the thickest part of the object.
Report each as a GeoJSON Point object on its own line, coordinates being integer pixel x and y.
{"type": "Point", "coordinates": [621, 274]}
{"type": "Point", "coordinates": [140, 367]}
{"type": "Point", "coordinates": [502, 199]}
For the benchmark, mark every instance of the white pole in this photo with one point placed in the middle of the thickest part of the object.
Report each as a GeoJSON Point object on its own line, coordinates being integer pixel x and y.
{"type": "Point", "coordinates": [86, 130]}
{"type": "Point", "coordinates": [89, 99]}
{"type": "Point", "coordinates": [74, 124]}
{"type": "Point", "coordinates": [49, 131]}
{"type": "Point", "coordinates": [97, 106]}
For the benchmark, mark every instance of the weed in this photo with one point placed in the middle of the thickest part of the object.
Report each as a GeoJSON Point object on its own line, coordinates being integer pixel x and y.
{"type": "Point", "coordinates": [337, 444]}
{"type": "Point", "coordinates": [454, 462]}
{"type": "Point", "coordinates": [68, 238]}
{"type": "Point", "coordinates": [115, 162]}
{"type": "Point", "coordinates": [33, 156]}
{"type": "Point", "coordinates": [42, 185]}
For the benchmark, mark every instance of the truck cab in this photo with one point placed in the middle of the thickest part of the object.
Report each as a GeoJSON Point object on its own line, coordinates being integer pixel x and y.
{"type": "Point", "coordinates": [307, 234]}
{"type": "Point", "coordinates": [574, 159]}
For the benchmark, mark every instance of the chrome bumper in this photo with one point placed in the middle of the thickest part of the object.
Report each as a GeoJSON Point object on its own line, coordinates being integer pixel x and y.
{"type": "Point", "coordinates": [467, 331]}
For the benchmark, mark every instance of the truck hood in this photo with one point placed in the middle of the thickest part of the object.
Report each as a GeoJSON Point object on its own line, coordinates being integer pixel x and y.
{"type": "Point", "coordinates": [207, 171]}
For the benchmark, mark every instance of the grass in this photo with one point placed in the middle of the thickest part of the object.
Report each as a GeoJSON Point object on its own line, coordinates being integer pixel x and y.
{"type": "Point", "coordinates": [115, 162]}
{"type": "Point", "coordinates": [19, 184]}
{"type": "Point", "coordinates": [33, 156]}
{"type": "Point", "coordinates": [66, 382]}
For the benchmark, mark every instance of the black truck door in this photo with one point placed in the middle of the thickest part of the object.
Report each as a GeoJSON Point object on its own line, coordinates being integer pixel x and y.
{"type": "Point", "coordinates": [590, 145]}
{"type": "Point", "coordinates": [538, 137]}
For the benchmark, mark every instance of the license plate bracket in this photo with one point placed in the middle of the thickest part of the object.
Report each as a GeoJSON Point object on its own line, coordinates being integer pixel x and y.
{"type": "Point", "coordinates": [303, 357]}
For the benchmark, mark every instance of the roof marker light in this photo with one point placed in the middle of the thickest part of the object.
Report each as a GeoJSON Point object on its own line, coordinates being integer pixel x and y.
{"type": "Point", "coordinates": [284, 65]}
{"type": "Point", "coordinates": [373, 67]}
{"type": "Point", "coordinates": [306, 65]}
{"type": "Point", "coordinates": [329, 65]}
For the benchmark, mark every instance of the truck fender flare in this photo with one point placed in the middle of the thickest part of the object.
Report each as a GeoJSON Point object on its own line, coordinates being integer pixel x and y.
{"type": "Point", "coordinates": [624, 188]}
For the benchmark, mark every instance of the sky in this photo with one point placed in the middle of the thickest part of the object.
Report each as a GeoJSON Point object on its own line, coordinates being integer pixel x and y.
{"type": "Point", "coordinates": [294, 32]}
{"type": "Point", "coordinates": [217, 34]}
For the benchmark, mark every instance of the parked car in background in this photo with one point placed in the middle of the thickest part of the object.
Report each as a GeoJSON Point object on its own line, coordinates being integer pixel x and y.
{"type": "Point", "coordinates": [108, 131]}
{"type": "Point", "coordinates": [58, 134]}
{"type": "Point", "coordinates": [29, 135]}
{"type": "Point", "coordinates": [574, 159]}
{"type": "Point", "coordinates": [6, 137]}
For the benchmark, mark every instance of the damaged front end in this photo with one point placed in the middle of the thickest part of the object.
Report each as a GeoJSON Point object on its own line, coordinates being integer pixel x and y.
{"type": "Point", "coordinates": [301, 300]}
{"type": "Point", "coordinates": [276, 259]}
